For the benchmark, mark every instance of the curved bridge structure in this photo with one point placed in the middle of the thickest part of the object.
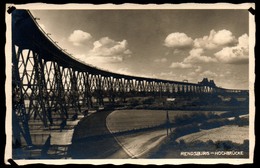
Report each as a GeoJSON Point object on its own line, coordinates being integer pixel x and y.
{"type": "Point", "coordinates": [48, 83]}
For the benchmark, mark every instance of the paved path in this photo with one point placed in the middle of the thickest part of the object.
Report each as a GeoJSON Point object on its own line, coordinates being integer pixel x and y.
{"type": "Point", "coordinates": [92, 140]}
{"type": "Point", "coordinates": [139, 132]}
{"type": "Point", "coordinates": [140, 144]}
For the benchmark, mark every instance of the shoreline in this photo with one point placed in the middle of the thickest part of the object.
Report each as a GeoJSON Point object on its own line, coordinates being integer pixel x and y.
{"type": "Point", "coordinates": [102, 138]}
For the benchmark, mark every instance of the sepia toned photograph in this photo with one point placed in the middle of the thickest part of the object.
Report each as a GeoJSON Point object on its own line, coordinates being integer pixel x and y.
{"type": "Point", "coordinates": [116, 83]}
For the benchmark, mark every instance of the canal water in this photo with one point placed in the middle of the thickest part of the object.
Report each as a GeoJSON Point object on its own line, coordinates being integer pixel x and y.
{"type": "Point", "coordinates": [124, 120]}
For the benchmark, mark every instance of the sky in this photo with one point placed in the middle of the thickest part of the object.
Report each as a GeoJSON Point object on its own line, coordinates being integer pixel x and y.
{"type": "Point", "coordinates": [166, 44]}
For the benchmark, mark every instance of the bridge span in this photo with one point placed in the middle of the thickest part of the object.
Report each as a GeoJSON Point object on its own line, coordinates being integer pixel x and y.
{"type": "Point", "coordinates": [51, 86]}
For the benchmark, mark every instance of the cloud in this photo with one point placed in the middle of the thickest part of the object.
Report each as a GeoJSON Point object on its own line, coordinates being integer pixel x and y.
{"type": "Point", "coordinates": [208, 74]}
{"type": "Point", "coordinates": [224, 37]}
{"type": "Point", "coordinates": [199, 69]}
{"type": "Point", "coordinates": [238, 54]}
{"type": "Point", "coordinates": [197, 57]}
{"type": "Point", "coordinates": [232, 51]}
{"type": "Point", "coordinates": [78, 37]}
{"type": "Point", "coordinates": [124, 71]}
{"type": "Point", "coordinates": [160, 60]}
{"type": "Point", "coordinates": [178, 41]}
{"type": "Point", "coordinates": [181, 65]}
{"type": "Point", "coordinates": [243, 41]}
{"type": "Point", "coordinates": [226, 74]}
{"type": "Point", "coordinates": [107, 50]}
{"type": "Point", "coordinates": [215, 39]}
{"type": "Point", "coordinates": [173, 76]}
{"type": "Point", "coordinates": [108, 47]}
{"type": "Point", "coordinates": [81, 57]}
{"type": "Point", "coordinates": [192, 73]}
{"type": "Point", "coordinates": [97, 60]}
{"type": "Point", "coordinates": [168, 74]}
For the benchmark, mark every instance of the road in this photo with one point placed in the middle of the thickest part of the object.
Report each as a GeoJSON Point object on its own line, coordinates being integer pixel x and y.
{"type": "Point", "coordinates": [138, 145]}
{"type": "Point", "coordinates": [92, 140]}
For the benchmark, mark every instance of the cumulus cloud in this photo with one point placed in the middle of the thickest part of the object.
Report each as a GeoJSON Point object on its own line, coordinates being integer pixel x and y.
{"type": "Point", "coordinates": [197, 57]}
{"type": "Point", "coordinates": [109, 50]}
{"type": "Point", "coordinates": [198, 69]}
{"type": "Point", "coordinates": [173, 76]}
{"type": "Point", "coordinates": [97, 60]}
{"type": "Point", "coordinates": [168, 74]}
{"type": "Point", "coordinates": [238, 54]}
{"type": "Point", "coordinates": [81, 57]}
{"type": "Point", "coordinates": [231, 50]}
{"type": "Point", "coordinates": [78, 37]}
{"type": "Point", "coordinates": [215, 39]}
{"type": "Point", "coordinates": [108, 47]}
{"type": "Point", "coordinates": [124, 71]}
{"type": "Point", "coordinates": [160, 60]}
{"type": "Point", "coordinates": [208, 74]}
{"type": "Point", "coordinates": [178, 41]}
{"type": "Point", "coordinates": [224, 37]}
{"type": "Point", "coordinates": [181, 65]}
{"type": "Point", "coordinates": [243, 41]}
{"type": "Point", "coordinates": [227, 74]}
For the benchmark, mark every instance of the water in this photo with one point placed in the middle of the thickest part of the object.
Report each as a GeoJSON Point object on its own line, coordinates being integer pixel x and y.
{"type": "Point", "coordinates": [122, 120]}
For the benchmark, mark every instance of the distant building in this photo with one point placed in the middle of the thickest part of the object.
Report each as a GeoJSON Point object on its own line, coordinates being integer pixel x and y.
{"type": "Point", "coordinates": [207, 82]}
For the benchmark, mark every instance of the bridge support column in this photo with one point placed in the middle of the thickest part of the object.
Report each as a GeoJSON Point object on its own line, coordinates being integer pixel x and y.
{"type": "Point", "coordinates": [40, 87]}
{"type": "Point", "coordinates": [111, 93]}
{"type": "Point", "coordinates": [87, 91]}
{"type": "Point", "coordinates": [99, 90]}
{"type": "Point", "coordinates": [74, 91]}
{"type": "Point", "coordinates": [122, 90]}
{"type": "Point", "coordinates": [19, 112]}
{"type": "Point", "coordinates": [59, 93]}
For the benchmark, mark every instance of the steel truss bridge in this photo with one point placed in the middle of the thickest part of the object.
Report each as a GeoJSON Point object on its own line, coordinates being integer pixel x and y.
{"type": "Point", "coordinates": [48, 82]}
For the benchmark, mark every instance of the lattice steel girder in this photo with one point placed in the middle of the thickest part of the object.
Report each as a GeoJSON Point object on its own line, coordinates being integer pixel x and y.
{"type": "Point", "coordinates": [122, 89]}
{"type": "Point", "coordinates": [92, 82]}
{"type": "Point", "coordinates": [41, 86]}
{"type": "Point", "coordinates": [111, 89]}
{"type": "Point", "coordinates": [32, 85]}
{"type": "Point", "coordinates": [80, 86]}
{"type": "Point", "coordinates": [19, 113]}
{"type": "Point", "coordinates": [100, 90]}
{"type": "Point", "coordinates": [87, 91]}
{"type": "Point", "coordinates": [128, 85]}
{"type": "Point", "coordinates": [52, 90]}
{"type": "Point", "coordinates": [59, 92]}
{"type": "Point", "coordinates": [74, 95]}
